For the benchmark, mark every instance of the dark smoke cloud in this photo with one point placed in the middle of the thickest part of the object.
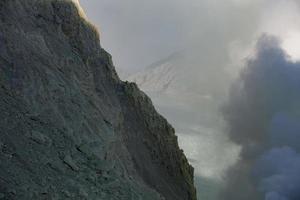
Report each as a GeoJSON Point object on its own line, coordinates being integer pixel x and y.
{"type": "Point", "coordinates": [263, 116]}
{"type": "Point", "coordinates": [278, 172]}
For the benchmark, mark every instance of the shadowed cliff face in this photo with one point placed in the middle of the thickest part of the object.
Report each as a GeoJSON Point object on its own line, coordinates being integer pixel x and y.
{"type": "Point", "coordinates": [70, 129]}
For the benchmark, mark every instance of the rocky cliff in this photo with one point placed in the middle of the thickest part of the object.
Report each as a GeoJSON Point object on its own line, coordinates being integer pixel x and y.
{"type": "Point", "coordinates": [69, 128]}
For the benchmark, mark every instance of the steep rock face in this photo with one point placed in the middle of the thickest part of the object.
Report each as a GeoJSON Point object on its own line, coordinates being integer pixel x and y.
{"type": "Point", "coordinates": [69, 128]}
{"type": "Point", "coordinates": [189, 91]}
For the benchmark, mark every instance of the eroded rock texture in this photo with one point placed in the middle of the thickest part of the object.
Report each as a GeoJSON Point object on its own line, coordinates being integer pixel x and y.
{"type": "Point", "coordinates": [69, 128]}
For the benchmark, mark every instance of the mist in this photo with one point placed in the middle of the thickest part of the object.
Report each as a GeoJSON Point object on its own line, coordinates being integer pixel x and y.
{"type": "Point", "coordinates": [138, 33]}
{"type": "Point", "coordinates": [223, 53]}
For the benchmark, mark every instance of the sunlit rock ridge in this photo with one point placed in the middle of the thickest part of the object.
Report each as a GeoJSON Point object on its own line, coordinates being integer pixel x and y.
{"type": "Point", "coordinates": [70, 128]}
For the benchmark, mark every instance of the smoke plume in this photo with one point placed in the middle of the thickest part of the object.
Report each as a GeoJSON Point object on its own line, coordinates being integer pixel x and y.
{"type": "Point", "coordinates": [263, 116]}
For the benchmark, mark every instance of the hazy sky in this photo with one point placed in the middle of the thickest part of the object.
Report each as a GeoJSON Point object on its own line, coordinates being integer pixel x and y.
{"type": "Point", "coordinates": [138, 32]}
{"type": "Point", "coordinates": [217, 34]}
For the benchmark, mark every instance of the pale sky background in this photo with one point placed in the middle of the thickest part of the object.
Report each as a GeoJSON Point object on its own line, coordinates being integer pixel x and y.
{"type": "Point", "coordinates": [217, 34]}
{"type": "Point", "coordinates": [139, 32]}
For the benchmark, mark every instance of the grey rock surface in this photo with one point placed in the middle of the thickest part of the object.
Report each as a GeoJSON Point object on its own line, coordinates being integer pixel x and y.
{"type": "Point", "coordinates": [69, 128]}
